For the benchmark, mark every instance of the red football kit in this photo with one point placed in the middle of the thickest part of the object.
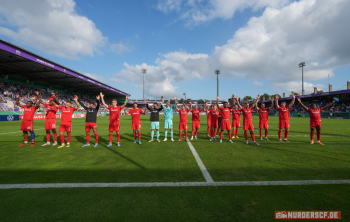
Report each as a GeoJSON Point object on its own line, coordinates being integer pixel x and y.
{"type": "Point", "coordinates": [114, 117]}
{"type": "Point", "coordinates": [214, 118]}
{"type": "Point", "coordinates": [183, 119]}
{"type": "Point", "coordinates": [236, 118]}
{"type": "Point", "coordinates": [195, 118]}
{"type": "Point", "coordinates": [28, 118]}
{"type": "Point", "coordinates": [208, 119]}
{"type": "Point", "coordinates": [247, 118]}
{"type": "Point", "coordinates": [225, 118]}
{"type": "Point", "coordinates": [315, 117]}
{"type": "Point", "coordinates": [263, 118]}
{"type": "Point", "coordinates": [66, 118]}
{"type": "Point", "coordinates": [50, 121]}
{"type": "Point", "coordinates": [135, 116]}
{"type": "Point", "coordinates": [283, 117]}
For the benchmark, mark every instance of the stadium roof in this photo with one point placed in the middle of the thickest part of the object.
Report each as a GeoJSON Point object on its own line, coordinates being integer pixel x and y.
{"type": "Point", "coordinates": [16, 61]}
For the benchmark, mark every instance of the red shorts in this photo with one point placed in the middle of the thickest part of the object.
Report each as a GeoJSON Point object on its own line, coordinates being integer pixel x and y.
{"type": "Point", "coordinates": [89, 126]}
{"type": "Point", "coordinates": [196, 125]}
{"type": "Point", "coordinates": [50, 124]}
{"type": "Point", "coordinates": [214, 125]}
{"type": "Point", "coordinates": [114, 126]}
{"type": "Point", "coordinates": [27, 126]}
{"type": "Point", "coordinates": [65, 126]}
{"type": "Point", "coordinates": [313, 125]}
{"type": "Point", "coordinates": [225, 124]}
{"type": "Point", "coordinates": [236, 123]}
{"type": "Point", "coordinates": [183, 126]}
{"type": "Point", "coordinates": [136, 125]}
{"type": "Point", "coordinates": [283, 124]}
{"type": "Point", "coordinates": [263, 124]}
{"type": "Point", "coordinates": [248, 125]}
{"type": "Point", "coordinates": [208, 122]}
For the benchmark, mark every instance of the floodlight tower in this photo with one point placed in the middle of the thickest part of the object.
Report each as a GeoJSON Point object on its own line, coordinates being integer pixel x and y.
{"type": "Point", "coordinates": [301, 65]}
{"type": "Point", "coordinates": [217, 72]}
{"type": "Point", "coordinates": [144, 72]}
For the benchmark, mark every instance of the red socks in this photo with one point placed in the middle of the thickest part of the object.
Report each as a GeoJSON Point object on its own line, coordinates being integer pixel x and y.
{"type": "Point", "coordinates": [233, 132]}
{"type": "Point", "coordinates": [221, 133]}
{"type": "Point", "coordinates": [68, 138]}
{"type": "Point", "coordinates": [229, 135]}
{"type": "Point", "coordinates": [48, 135]}
{"type": "Point", "coordinates": [266, 133]}
{"type": "Point", "coordinates": [88, 138]}
{"type": "Point", "coordinates": [236, 132]}
{"type": "Point", "coordinates": [280, 134]}
{"type": "Point", "coordinates": [209, 131]}
{"type": "Point", "coordinates": [193, 132]}
{"type": "Point", "coordinates": [111, 137]}
{"type": "Point", "coordinates": [260, 133]}
{"type": "Point", "coordinates": [285, 134]}
{"type": "Point", "coordinates": [139, 135]}
{"type": "Point", "coordinates": [253, 136]}
{"type": "Point", "coordinates": [25, 140]}
{"type": "Point", "coordinates": [180, 134]}
{"type": "Point", "coordinates": [96, 137]}
{"type": "Point", "coordinates": [55, 137]}
{"type": "Point", "coordinates": [196, 132]}
{"type": "Point", "coordinates": [135, 136]}
{"type": "Point", "coordinates": [185, 135]}
{"type": "Point", "coordinates": [312, 135]}
{"type": "Point", "coordinates": [245, 135]}
{"type": "Point", "coordinates": [318, 136]}
{"type": "Point", "coordinates": [118, 137]}
{"type": "Point", "coordinates": [62, 139]}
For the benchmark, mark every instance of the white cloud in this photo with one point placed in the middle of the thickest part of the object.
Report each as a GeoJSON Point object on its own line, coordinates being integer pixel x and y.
{"type": "Point", "coordinates": [51, 26]}
{"type": "Point", "coordinates": [197, 11]}
{"type": "Point", "coordinates": [296, 86]}
{"type": "Point", "coordinates": [258, 83]}
{"type": "Point", "coordinates": [119, 48]}
{"type": "Point", "coordinates": [269, 47]}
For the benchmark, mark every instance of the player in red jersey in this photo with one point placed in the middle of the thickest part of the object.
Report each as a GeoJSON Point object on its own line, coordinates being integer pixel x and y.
{"type": "Point", "coordinates": [183, 120]}
{"type": "Point", "coordinates": [114, 117]}
{"type": "Point", "coordinates": [135, 113]}
{"type": "Point", "coordinates": [264, 118]}
{"type": "Point", "coordinates": [283, 118]}
{"type": "Point", "coordinates": [236, 118]}
{"type": "Point", "coordinates": [247, 119]}
{"type": "Point", "coordinates": [225, 116]}
{"type": "Point", "coordinates": [50, 120]}
{"type": "Point", "coordinates": [66, 120]}
{"type": "Point", "coordinates": [315, 119]}
{"type": "Point", "coordinates": [214, 116]}
{"type": "Point", "coordinates": [208, 118]}
{"type": "Point", "coordinates": [28, 119]}
{"type": "Point", "coordinates": [195, 119]}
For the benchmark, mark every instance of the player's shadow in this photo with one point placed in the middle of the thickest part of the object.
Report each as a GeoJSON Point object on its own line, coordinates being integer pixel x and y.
{"type": "Point", "coordinates": [121, 155]}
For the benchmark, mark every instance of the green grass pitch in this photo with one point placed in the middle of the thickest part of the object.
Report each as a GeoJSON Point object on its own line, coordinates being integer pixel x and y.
{"type": "Point", "coordinates": [173, 162]}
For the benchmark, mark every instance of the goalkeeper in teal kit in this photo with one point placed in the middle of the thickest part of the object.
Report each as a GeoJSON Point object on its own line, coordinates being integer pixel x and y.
{"type": "Point", "coordinates": [168, 119]}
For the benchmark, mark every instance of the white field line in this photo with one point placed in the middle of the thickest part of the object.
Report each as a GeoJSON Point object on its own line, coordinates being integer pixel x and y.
{"type": "Point", "coordinates": [273, 135]}
{"type": "Point", "coordinates": [200, 164]}
{"type": "Point", "coordinates": [174, 184]}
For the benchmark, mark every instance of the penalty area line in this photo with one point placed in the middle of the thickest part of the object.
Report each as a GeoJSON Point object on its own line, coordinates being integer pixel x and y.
{"type": "Point", "coordinates": [200, 164]}
{"type": "Point", "coordinates": [174, 184]}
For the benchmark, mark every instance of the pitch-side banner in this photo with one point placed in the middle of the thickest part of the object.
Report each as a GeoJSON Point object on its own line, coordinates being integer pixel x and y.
{"type": "Point", "coordinates": [9, 118]}
{"type": "Point", "coordinates": [41, 116]}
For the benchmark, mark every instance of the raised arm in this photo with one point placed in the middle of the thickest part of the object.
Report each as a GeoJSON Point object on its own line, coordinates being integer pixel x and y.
{"type": "Point", "coordinates": [55, 104]}
{"type": "Point", "coordinates": [126, 111]}
{"type": "Point", "coordinates": [217, 102]}
{"type": "Point", "coordinates": [144, 111]}
{"type": "Point", "coordinates": [39, 98]}
{"type": "Point", "coordinates": [302, 104]}
{"type": "Point", "coordinates": [256, 102]}
{"type": "Point", "coordinates": [76, 102]}
{"type": "Point", "coordinates": [125, 102]}
{"type": "Point", "coordinates": [103, 101]}
{"type": "Point", "coordinates": [176, 102]}
{"type": "Point", "coordinates": [204, 107]}
{"type": "Point", "coordinates": [272, 100]}
{"type": "Point", "coordinates": [55, 98]}
{"type": "Point", "coordinates": [277, 106]}
{"type": "Point", "coordinates": [148, 106]}
{"type": "Point", "coordinates": [328, 105]}
{"type": "Point", "coordinates": [98, 102]}
{"type": "Point", "coordinates": [190, 104]}
{"type": "Point", "coordinates": [185, 105]}
{"type": "Point", "coordinates": [37, 105]}
{"type": "Point", "coordinates": [82, 104]}
{"type": "Point", "coordinates": [17, 100]}
{"type": "Point", "coordinates": [233, 101]}
{"type": "Point", "coordinates": [293, 100]}
{"type": "Point", "coordinates": [238, 104]}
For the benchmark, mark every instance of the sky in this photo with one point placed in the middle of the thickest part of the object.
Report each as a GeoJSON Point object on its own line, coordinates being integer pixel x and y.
{"type": "Point", "coordinates": [256, 44]}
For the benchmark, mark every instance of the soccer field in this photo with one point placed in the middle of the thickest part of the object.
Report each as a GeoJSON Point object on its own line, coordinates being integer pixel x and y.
{"type": "Point", "coordinates": [173, 162]}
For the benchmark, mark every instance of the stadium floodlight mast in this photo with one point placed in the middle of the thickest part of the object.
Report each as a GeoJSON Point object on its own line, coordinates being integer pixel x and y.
{"type": "Point", "coordinates": [301, 65]}
{"type": "Point", "coordinates": [184, 95]}
{"type": "Point", "coordinates": [217, 72]}
{"type": "Point", "coordinates": [144, 72]}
